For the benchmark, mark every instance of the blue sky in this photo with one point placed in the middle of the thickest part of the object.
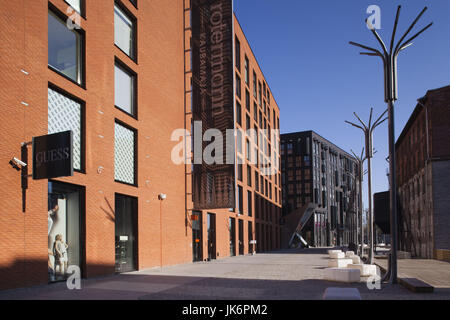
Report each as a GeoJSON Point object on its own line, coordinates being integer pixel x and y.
{"type": "Point", "coordinates": [319, 80]}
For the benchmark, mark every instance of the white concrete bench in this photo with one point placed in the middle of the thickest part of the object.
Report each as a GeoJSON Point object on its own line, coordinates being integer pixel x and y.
{"type": "Point", "coordinates": [342, 275]}
{"type": "Point", "coordinates": [356, 260]}
{"type": "Point", "coordinates": [341, 294]}
{"type": "Point", "coordinates": [337, 255]}
{"type": "Point", "coordinates": [334, 251]}
{"type": "Point", "coordinates": [339, 263]}
{"type": "Point", "coordinates": [366, 270]}
{"type": "Point", "coordinates": [349, 254]}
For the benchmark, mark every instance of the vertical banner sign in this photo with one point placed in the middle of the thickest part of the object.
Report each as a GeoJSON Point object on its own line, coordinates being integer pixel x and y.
{"type": "Point", "coordinates": [213, 102]}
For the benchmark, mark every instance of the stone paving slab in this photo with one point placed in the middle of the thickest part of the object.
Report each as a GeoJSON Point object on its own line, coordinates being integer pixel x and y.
{"type": "Point", "coordinates": [434, 272]}
{"type": "Point", "coordinates": [283, 275]}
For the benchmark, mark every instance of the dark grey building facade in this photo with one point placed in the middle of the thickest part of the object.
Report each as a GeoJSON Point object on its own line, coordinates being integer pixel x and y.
{"type": "Point", "coordinates": [316, 172]}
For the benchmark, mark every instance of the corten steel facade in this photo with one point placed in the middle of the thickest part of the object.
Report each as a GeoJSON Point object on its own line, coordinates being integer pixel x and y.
{"type": "Point", "coordinates": [423, 175]}
{"type": "Point", "coordinates": [123, 143]}
{"type": "Point", "coordinates": [316, 171]}
{"type": "Point", "coordinates": [232, 231]}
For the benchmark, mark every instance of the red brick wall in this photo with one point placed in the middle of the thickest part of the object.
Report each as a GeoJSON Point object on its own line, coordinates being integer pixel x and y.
{"type": "Point", "coordinates": [23, 251]}
{"type": "Point", "coordinates": [23, 254]}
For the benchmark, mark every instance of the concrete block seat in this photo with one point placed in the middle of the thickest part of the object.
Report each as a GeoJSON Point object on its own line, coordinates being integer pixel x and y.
{"type": "Point", "coordinates": [349, 254]}
{"type": "Point", "coordinates": [366, 270]}
{"type": "Point", "coordinates": [342, 275]}
{"type": "Point", "coordinates": [341, 294]}
{"type": "Point", "coordinates": [339, 263]}
{"type": "Point", "coordinates": [356, 260]}
{"type": "Point", "coordinates": [334, 251]}
{"type": "Point", "coordinates": [336, 255]}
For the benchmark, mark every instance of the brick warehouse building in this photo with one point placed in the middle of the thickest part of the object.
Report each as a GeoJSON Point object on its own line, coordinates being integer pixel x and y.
{"type": "Point", "coordinates": [423, 177]}
{"type": "Point", "coordinates": [103, 77]}
{"type": "Point", "coordinates": [319, 181]}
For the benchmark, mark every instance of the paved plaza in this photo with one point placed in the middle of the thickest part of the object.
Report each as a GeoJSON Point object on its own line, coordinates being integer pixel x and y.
{"type": "Point", "coordinates": [282, 275]}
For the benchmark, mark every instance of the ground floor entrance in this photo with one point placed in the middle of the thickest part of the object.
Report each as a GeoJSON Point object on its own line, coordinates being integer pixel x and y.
{"type": "Point", "coordinates": [211, 231]}
{"type": "Point", "coordinates": [65, 230]}
{"type": "Point", "coordinates": [125, 233]}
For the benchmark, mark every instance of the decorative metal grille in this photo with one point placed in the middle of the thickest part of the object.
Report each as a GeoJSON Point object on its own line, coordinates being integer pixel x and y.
{"type": "Point", "coordinates": [65, 114]}
{"type": "Point", "coordinates": [124, 154]}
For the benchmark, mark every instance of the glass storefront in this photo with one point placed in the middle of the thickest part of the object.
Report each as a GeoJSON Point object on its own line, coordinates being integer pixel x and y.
{"type": "Point", "coordinates": [65, 212]}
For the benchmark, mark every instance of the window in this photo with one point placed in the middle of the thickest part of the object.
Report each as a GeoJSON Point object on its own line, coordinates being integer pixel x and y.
{"type": "Point", "coordinates": [249, 205]}
{"type": "Point", "coordinates": [248, 150]}
{"type": "Point", "coordinates": [238, 54]}
{"type": "Point", "coordinates": [262, 184]}
{"type": "Point", "coordinates": [238, 86]}
{"type": "Point", "coordinates": [124, 31]}
{"type": "Point", "coordinates": [256, 181]}
{"type": "Point", "coordinates": [65, 49]}
{"type": "Point", "coordinates": [239, 141]}
{"type": "Point", "coordinates": [247, 100]}
{"type": "Point", "coordinates": [247, 71]}
{"type": "Point", "coordinates": [66, 114]}
{"type": "Point", "coordinates": [239, 171]}
{"type": "Point", "coordinates": [259, 93]}
{"type": "Point", "coordinates": [76, 4]}
{"type": "Point", "coordinates": [255, 112]}
{"type": "Point", "coordinates": [249, 176]}
{"type": "Point", "coordinates": [125, 89]}
{"type": "Point", "coordinates": [238, 113]}
{"type": "Point", "coordinates": [240, 200]}
{"type": "Point", "coordinates": [255, 80]}
{"type": "Point", "coordinates": [124, 154]}
{"type": "Point", "coordinates": [248, 124]}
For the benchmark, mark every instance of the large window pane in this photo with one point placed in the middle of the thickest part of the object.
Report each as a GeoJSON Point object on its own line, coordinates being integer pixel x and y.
{"type": "Point", "coordinates": [123, 31]}
{"type": "Point", "coordinates": [65, 114]}
{"type": "Point", "coordinates": [64, 229]}
{"type": "Point", "coordinates": [64, 48]}
{"type": "Point", "coordinates": [124, 154]}
{"type": "Point", "coordinates": [124, 90]}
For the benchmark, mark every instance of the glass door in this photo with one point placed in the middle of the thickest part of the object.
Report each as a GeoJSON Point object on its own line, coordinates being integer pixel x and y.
{"type": "Point", "coordinates": [126, 233]}
{"type": "Point", "coordinates": [241, 237]}
{"type": "Point", "coordinates": [232, 229]}
{"type": "Point", "coordinates": [197, 230]}
{"type": "Point", "coordinates": [211, 236]}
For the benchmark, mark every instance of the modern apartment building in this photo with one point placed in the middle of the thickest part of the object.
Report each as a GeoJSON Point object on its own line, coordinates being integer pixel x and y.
{"type": "Point", "coordinates": [317, 173]}
{"type": "Point", "coordinates": [423, 177]}
{"type": "Point", "coordinates": [114, 74]}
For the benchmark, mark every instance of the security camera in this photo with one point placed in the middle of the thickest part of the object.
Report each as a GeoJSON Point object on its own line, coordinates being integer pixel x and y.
{"type": "Point", "coordinates": [19, 162]}
{"type": "Point", "coordinates": [15, 163]}
{"type": "Point", "coordinates": [162, 196]}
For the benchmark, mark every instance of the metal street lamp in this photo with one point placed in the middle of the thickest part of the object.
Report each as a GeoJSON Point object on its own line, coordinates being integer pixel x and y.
{"type": "Point", "coordinates": [360, 160]}
{"type": "Point", "coordinates": [390, 93]}
{"type": "Point", "coordinates": [368, 134]}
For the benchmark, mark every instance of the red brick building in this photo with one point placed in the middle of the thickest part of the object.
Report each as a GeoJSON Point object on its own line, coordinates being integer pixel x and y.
{"type": "Point", "coordinates": [112, 72]}
{"type": "Point", "coordinates": [423, 177]}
